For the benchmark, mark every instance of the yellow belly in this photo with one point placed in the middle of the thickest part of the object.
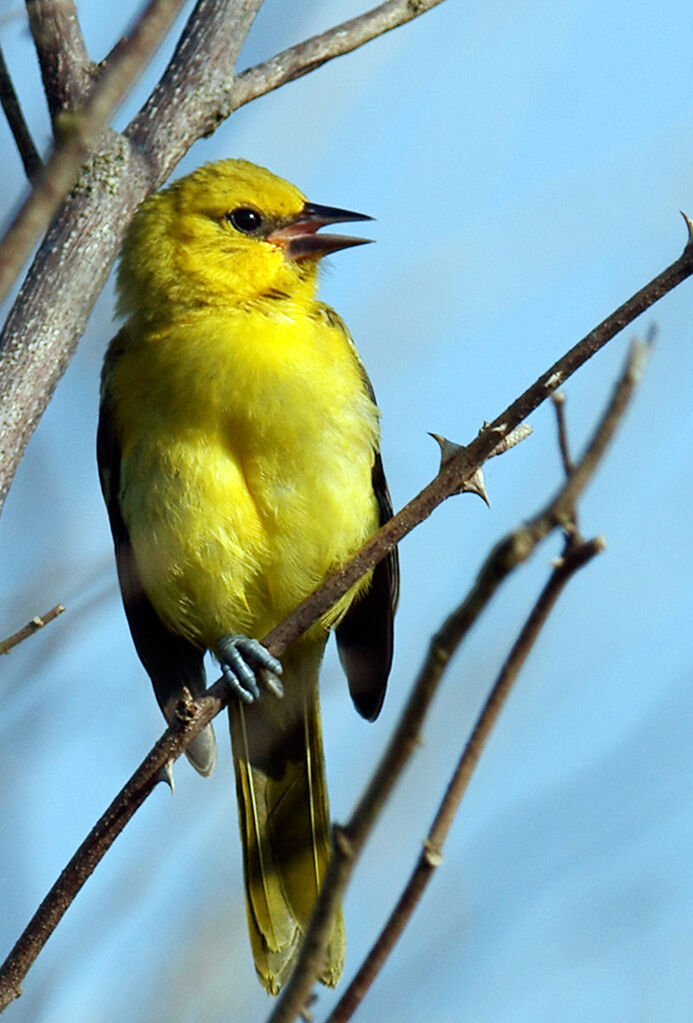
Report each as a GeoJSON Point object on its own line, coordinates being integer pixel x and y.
{"type": "Point", "coordinates": [247, 450]}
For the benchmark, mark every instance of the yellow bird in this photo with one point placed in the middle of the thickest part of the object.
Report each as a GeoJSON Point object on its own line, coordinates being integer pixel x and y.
{"type": "Point", "coordinates": [238, 453]}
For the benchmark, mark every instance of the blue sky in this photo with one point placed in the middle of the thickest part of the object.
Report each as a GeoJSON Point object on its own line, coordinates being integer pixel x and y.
{"type": "Point", "coordinates": [526, 165]}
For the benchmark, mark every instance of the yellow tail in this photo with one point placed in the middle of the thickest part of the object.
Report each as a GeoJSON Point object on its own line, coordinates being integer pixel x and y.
{"type": "Point", "coordinates": [284, 817]}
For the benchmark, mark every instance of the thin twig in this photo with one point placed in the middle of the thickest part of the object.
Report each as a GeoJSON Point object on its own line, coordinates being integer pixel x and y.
{"type": "Point", "coordinates": [78, 137]}
{"type": "Point", "coordinates": [29, 629]}
{"type": "Point", "coordinates": [299, 60]}
{"type": "Point", "coordinates": [558, 401]}
{"type": "Point", "coordinates": [18, 126]}
{"type": "Point", "coordinates": [195, 714]}
{"type": "Point", "coordinates": [65, 66]}
{"type": "Point", "coordinates": [512, 551]}
{"type": "Point", "coordinates": [432, 853]}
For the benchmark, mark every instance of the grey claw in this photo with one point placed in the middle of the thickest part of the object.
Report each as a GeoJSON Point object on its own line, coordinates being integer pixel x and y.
{"type": "Point", "coordinates": [236, 686]}
{"type": "Point", "coordinates": [244, 662]}
{"type": "Point", "coordinates": [253, 650]}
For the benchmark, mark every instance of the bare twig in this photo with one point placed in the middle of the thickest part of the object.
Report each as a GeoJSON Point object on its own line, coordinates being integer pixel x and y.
{"type": "Point", "coordinates": [65, 66]}
{"type": "Point", "coordinates": [29, 629]}
{"type": "Point", "coordinates": [312, 53]}
{"type": "Point", "coordinates": [512, 551]}
{"type": "Point", "coordinates": [18, 126]}
{"type": "Point", "coordinates": [197, 713]}
{"type": "Point", "coordinates": [558, 401]}
{"type": "Point", "coordinates": [79, 135]}
{"type": "Point", "coordinates": [432, 853]}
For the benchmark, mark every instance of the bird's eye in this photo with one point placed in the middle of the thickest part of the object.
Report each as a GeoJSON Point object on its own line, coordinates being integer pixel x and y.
{"type": "Point", "coordinates": [245, 219]}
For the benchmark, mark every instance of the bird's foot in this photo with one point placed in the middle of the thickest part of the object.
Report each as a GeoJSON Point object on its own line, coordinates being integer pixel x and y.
{"type": "Point", "coordinates": [246, 664]}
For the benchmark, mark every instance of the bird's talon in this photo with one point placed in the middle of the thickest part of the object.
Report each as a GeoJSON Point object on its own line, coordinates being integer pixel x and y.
{"type": "Point", "coordinates": [235, 685]}
{"type": "Point", "coordinates": [244, 663]}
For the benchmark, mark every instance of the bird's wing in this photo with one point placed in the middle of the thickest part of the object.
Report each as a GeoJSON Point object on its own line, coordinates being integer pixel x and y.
{"type": "Point", "coordinates": [365, 633]}
{"type": "Point", "coordinates": [171, 661]}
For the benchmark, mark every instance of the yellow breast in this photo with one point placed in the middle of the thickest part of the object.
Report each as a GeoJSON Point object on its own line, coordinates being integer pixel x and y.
{"type": "Point", "coordinates": [247, 448]}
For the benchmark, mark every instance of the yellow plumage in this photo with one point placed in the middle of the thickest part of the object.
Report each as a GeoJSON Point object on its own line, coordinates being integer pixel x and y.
{"type": "Point", "coordinates": [238, 451]}
{"type": "Point", "coordinates": [272, 499]}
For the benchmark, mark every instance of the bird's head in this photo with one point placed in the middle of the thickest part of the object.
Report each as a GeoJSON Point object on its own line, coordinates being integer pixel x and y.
{"type": "Point", "coordinates": [227, 234]}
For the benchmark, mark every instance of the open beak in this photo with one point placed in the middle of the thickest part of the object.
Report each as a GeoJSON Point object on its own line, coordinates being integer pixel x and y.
{"type": "Point", "coordinates": [300, 240]}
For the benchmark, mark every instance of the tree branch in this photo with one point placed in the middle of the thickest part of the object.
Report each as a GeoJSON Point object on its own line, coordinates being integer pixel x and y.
{"type": "Point", "coordinates": [558, 401]}
{"type": "Point", "coordinates": [72, 264]}
{"type": "Point", "coordinates": [462, 465]}
{"type": "Point", "coordinates": [185, 104]}
{"type": "Point", "coordinates": [575, 557]}
{"type": "Point", "coordinates": [80, 136]}
{"type": "Point", "coordinates": [74, 260]}
{"type": "Point", "coordinates": [510, 552]}
{"type": "Point", "coordinates": [66, 69]}
{"type": "Point", "coordinates": [29, 629]}
{"type": "Point", "coordinates": [576, 553]}
{"type": "Point", "coordinates": [195, 714]}
{"type": "Point", "coordinates": [298, 60]}
{"type": "Point", "coordinates": [18, 126]}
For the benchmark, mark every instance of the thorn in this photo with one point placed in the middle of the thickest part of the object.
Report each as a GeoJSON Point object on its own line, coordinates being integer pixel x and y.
{"type": "Point", "coordinates": [689, 228]}
{"type": "Point", "coordinates": [165, 775]}
{"type": "Point", "coordinates": [477, 485]}
{"type": "Point", "coordinates": [448, 449]}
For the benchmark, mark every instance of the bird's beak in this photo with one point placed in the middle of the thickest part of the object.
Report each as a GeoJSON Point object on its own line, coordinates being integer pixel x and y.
{"type": "Point", "coordinates": [299, 239]}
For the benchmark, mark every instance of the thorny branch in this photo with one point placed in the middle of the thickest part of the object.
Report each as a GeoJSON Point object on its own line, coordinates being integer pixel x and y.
{"type": "Point", "coordinates": [87, 268]}
{"type": "Point", "coordinates": [462, 465]}
{"type": "Point", "coordinates": [195, 714]}
{"type": "Point", "coordinates": [576, 553]}
{"type": "Point", "coordinates": [510, 552]}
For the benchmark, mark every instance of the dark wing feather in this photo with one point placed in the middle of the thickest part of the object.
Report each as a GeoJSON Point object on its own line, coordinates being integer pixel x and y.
{"type": "Point", "coordinates": [365, 633]}
{"type": "Point", "coordinates": [171, 661]}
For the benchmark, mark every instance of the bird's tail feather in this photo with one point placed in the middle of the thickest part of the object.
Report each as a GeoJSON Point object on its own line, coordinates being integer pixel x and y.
{"type": "Point", "coordinates": [284, 817]}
